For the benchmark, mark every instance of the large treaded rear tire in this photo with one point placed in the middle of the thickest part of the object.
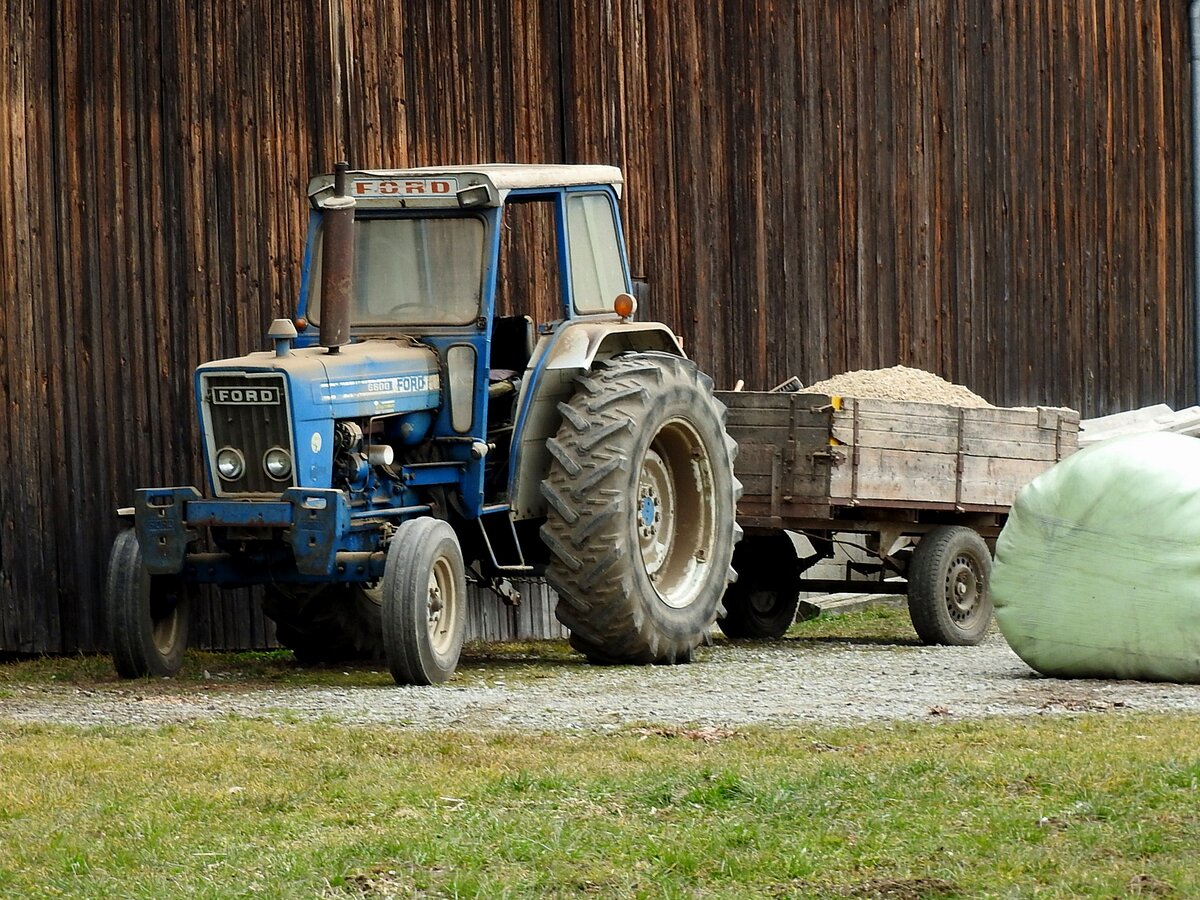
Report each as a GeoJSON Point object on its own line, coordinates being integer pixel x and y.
{"type": "Point", "coordinates": [948, 598]}
{"type": "Point", "coordinates": [147, 614]}
{"type": "Point", "coordinates": [641, 518]}
{"type": "Point", "coordinates": [327, 623]}
{"type": "Point", "coordinates": [762, 602]}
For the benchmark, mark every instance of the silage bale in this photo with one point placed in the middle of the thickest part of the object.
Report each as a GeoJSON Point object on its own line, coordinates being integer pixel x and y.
{"type": "Point", "coordinates": [1097, 571]}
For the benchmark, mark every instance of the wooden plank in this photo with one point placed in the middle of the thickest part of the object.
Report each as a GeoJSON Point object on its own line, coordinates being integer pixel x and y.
{"type": "Point", "coordinates": [920, 477]}
{"type": "Point", "coordinates": [1028, 441]}
{"type": "Point", "coordinates": [805, 440]}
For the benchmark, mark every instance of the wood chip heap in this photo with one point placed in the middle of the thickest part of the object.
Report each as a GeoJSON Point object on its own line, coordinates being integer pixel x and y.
{"type": "Point", "coordinates": [899, 383]}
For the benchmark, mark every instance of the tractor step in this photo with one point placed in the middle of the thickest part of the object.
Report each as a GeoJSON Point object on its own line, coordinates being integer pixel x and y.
{"type": "Point", "coordinates": [506, 538]}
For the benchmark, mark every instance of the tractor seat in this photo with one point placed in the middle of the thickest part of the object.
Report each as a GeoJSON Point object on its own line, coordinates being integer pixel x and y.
{"type": "Point", "coordinates": [513, 340]}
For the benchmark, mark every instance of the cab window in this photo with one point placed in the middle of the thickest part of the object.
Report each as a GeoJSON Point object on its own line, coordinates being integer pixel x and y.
{"type": "Point", "coordinates": [597, 275]}
{"type": "Point", "coordinates": [411, 271]}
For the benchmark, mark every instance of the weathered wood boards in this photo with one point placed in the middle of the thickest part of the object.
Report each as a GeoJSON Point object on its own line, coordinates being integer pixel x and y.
{"type": "Point", "coordinates": [803, 455]}
{"type": "Point", "coordinates": [811, 188]}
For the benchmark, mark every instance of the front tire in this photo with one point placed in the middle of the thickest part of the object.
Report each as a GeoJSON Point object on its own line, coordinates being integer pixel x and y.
{"type": "Point", "coordinates": [147, 614]}
{"type": "Point", "coordinates": [424, 602]}
{"type": "Point", "coordinates": [641, 510]}
{"type": "Point", "coordinates": [762, 602]}
{"type": "Point", "coordinates": [948, 599]}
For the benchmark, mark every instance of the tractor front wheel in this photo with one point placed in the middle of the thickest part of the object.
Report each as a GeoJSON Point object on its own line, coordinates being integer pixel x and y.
{"type": "Point", "coordinates": [424, 602]}
{"type": "Point", "coordinates": [641, 502]}
{"type": "Point", "coordinates": [147, 614]}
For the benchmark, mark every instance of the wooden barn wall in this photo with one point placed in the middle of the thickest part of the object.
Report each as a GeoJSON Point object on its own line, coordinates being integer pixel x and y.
{"type": "Point", "coordinates": [995, 190]}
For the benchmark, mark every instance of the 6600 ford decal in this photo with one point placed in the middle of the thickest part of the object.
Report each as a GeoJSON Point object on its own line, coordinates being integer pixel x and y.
{"type": "Point", "coordinates": [245, 396]}
{"type": "Point", "coordinates": [371, 388]}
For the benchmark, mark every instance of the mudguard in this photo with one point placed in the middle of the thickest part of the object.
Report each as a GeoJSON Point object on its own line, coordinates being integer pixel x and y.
{"type": "Point", "coordinates": [559, 358]}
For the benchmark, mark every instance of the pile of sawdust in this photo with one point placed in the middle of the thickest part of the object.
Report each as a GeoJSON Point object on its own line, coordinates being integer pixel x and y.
{"type": "Point", "coordinates": [899, 383]}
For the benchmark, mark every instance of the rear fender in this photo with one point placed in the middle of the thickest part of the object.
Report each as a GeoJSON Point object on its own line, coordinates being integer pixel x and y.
{"type": "Point", "coordinates": [558, 360]}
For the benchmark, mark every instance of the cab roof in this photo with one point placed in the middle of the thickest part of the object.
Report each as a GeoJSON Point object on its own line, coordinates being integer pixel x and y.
{"type": "Point", "coordinates": [449, 185]}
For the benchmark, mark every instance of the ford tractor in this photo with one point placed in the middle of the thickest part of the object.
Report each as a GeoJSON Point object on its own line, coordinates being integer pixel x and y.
{"type": "Point", "coordinates": [401, 437]}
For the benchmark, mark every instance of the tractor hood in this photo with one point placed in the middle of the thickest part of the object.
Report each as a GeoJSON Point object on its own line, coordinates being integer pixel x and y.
{"type": "Point", "coordinates": [290, 400]}
{"type": "Point", "coordinates": [369, 378]}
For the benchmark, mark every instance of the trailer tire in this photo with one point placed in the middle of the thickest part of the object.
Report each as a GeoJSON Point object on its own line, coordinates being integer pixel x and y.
{"type": "Point", "coordinates": [327, 623]}
{"type": "Point", "coordinates": [424, 602]}
{"type": "Point", "coordinates": [147, 614]}
{"type": "Point", "coordinates": [762, 602]}
{"type": "Point", "coordinates": [948, 599]}
{"type": "Point", "coordinates": [641, 502]}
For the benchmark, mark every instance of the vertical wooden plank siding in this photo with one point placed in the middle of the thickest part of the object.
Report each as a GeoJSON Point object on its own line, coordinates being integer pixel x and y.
{"type": "Point", "coordinates": [996, 191]}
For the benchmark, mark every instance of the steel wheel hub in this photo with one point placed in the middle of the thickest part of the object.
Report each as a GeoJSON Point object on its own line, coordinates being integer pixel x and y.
{"type": "Point", "coordinates": [655, 518]}
{"type": "Point", "coordinates": [674, 515]}
{"type": "Point", "coordinates": [962, 590]}
{"type": "Point", "coordinates": [441, 606]}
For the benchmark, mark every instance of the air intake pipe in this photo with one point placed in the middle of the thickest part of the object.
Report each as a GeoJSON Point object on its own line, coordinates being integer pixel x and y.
{"type": "Point", "coordinates": [337, 263]}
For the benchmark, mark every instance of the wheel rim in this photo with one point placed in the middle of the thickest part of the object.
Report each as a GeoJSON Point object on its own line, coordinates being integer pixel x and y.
{"type": "Point", "coordinates": [674, 515]}
{"type": "Point", "coordinates": [964, 591]}
{"type": "Point", "coordinates": [763, 603]}
{"type": "Point", "coordinates": [165, 622]}
{"type": "Point", "coordinates": [441, 606]}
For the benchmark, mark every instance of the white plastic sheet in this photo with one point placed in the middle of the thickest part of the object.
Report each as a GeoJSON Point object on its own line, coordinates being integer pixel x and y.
{"type": "Point", "coordinates": [1097, 571]}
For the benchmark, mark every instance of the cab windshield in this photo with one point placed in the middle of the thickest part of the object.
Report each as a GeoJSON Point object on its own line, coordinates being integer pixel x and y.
{"type": "Point", "coordinates": [411, 271]}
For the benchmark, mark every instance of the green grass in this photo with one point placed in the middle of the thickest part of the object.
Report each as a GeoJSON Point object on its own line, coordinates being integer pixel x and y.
{"type": "Point", "coordinates": [1101, 806]}
{"type": "Point", "coordinates": [278, 668]}
{"type": "Point", "coordinates": [883, 624]}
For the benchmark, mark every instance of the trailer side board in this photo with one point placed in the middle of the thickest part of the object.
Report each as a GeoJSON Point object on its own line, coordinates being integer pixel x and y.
{"type": "Point", "coordinates": [804, 453]}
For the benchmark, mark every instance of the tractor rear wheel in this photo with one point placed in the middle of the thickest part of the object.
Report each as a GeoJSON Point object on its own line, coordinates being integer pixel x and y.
{"type": "Point", "coordinates": [762, 602]}
{"type": "Point", "coordinates": [641, 501]}
{"type": "Point", "coordinates": [424, 602]}
{"type": "Point", "coordinates": [147, 614]}
{"type": "Point", "coordinates": [326, 623]}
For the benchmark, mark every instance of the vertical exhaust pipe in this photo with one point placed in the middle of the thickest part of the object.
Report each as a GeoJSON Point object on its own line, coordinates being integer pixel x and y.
{"type": "Point", "coordinates": [337, 263]}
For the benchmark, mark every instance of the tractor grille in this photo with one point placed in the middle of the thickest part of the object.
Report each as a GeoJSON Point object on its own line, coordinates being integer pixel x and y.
{"type": "Point", "coordinates": [250, 414]}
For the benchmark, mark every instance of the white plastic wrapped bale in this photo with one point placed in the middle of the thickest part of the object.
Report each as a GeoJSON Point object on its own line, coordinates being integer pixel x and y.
{"type": "Point", "coordinates": [1097, 571]}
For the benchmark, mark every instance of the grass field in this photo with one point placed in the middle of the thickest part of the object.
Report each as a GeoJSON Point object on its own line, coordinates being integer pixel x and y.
{"type": "Point", "coordinates": [1098, 805]}
{"type": "Point", "coordinates": [1065, 807]}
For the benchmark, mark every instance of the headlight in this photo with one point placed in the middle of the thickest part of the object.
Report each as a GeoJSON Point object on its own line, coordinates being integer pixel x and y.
{"type": "Point", "coordinates": [230, 463]}
{"type": "Point", "coordinates": [278, 463]}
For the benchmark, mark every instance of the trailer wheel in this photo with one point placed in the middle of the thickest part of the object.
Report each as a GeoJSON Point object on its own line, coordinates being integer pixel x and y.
{"type": "Point", "coordinates": [424, 602]}
{"type": "Point", "coordinates": [327, 623]}
{"type": "Point", "coordinates": [948, 587]}
{"type": "Point", "coordinates": [762, 602]}
{"type": "Point", "coordinates": [147, 614]}
{"type": "Point", "coordinates": [641, 510]}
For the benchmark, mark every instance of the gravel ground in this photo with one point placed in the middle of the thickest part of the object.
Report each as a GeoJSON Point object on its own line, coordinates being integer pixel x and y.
{"type": "Point", "coordinates": [785, 684]}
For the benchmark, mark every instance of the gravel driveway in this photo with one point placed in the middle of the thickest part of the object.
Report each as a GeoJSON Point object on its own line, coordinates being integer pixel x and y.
{"type": "Point", "coordinates": [786, 684]}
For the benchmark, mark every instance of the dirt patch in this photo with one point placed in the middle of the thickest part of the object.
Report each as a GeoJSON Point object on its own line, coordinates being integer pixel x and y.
{"type": "Point", "coordinates": [903, 889]}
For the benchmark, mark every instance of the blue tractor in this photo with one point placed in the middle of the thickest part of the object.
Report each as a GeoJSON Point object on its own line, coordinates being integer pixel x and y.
{"type": "Point", "coordinates": [402, 437]}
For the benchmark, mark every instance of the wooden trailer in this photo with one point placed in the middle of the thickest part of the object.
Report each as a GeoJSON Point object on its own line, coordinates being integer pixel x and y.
{"type": "Point", "coordinates": [923, 488]}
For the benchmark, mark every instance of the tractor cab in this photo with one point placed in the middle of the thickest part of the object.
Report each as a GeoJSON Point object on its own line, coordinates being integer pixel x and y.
{"type": "Point", "coordinates": [490, 266]}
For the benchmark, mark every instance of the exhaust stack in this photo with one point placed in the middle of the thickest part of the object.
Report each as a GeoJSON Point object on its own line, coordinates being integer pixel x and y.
{"type": "Point", "coordinates": [337, 263]}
